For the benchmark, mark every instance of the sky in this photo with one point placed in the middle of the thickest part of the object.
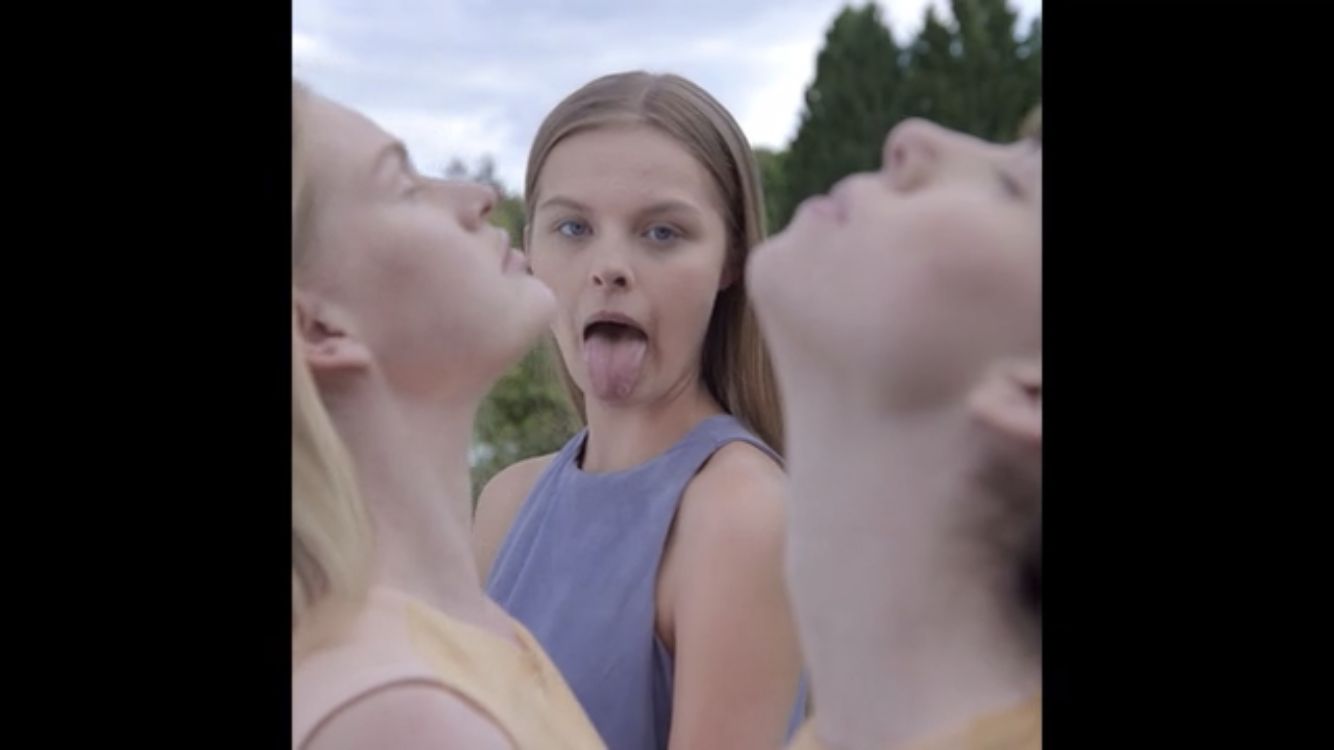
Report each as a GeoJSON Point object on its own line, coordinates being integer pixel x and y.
{"type": "Point", "coordinates": [471, 78]}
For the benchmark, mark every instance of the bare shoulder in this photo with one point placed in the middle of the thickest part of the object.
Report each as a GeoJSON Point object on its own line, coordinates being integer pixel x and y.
{"type": "Point", "coordinates": [499, 503]}
{"type": "Point", "coordinates": [723, 606]}
{"type": "Point", "coordinates": [409, 716]}
{"type": "Point", "coordinates": [738, 497]}
{"type": "Point", "coordinates": [511, 485]}
{"type": "Point", "coordinates": [731, 517]}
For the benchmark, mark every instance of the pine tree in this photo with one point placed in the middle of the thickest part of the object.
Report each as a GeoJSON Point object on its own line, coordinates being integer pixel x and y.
{"type": "Point", "coordinates": [773, 182]}
{"type": "Point", "coordinates": [852, 103]}
{"type": "Point", "coordinates": [975, 75]}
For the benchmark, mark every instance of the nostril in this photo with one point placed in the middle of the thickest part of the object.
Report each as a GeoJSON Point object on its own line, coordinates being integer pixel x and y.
{"type": "Point", "coordinates": [897, 156]}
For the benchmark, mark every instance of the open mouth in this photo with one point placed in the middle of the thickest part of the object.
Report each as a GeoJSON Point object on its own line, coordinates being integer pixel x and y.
{"type": "Point", "coordinates": [614, 349]}
{"type": "Point", "coordinates": [614, 330]}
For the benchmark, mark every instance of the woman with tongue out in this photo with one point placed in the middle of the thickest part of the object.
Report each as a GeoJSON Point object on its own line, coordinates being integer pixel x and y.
{"type": "Point", "coordinates": [646, 555]}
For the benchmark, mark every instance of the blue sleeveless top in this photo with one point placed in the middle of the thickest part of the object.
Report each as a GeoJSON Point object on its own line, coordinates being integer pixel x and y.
{"type": "Point", "coordinates": [579, 569]}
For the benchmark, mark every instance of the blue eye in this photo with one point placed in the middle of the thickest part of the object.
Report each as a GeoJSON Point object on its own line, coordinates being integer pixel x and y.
{"type": "Point", "coordinates": [572, 228]}
{"type": "Point", "coordinates": [662, 233]}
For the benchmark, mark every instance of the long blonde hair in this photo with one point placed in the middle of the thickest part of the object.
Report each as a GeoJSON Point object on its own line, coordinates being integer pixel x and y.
{"type": "Point", "coordinates": [331, 538]}
{"type": "Point", "coordinates": [735, 365]}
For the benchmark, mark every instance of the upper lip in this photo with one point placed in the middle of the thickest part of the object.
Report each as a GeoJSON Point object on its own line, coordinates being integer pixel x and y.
{"type": "Point", "coordinates": [609, 316]}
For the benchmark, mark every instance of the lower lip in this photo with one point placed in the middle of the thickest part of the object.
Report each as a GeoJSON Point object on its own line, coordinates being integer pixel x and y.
{"type": "Point", "coordinates": [515, 262]}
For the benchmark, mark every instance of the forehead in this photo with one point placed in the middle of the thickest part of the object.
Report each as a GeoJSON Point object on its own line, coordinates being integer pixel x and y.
{"type": "Point", "coordinates": [341, 142]}
{"type": "Point", "coordinates": [622, 165]}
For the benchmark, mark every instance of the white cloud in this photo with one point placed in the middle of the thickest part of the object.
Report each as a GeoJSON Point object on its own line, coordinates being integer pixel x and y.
{"type": "Point", "coordinates": [466, 78]}
{"type": "Point", "coordinates": [316, 55]}
{"type": "Point", "coordinates": [771, 111]}
{"type": "Point", "coordinates": [435, 139]}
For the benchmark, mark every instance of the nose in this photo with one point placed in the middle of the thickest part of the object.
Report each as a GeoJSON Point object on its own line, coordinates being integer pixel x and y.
{"type": "Point", "coordinates": [610, 271]}
{"type": "Point", "coordinates": [473, 202]}
{"type": "Point", "coordinates": [912, 152]}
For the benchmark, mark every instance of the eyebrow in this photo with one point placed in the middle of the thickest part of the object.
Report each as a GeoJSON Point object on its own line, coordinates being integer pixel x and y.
{"type": "Point", "coordinates": [668, 206]}
{"type": "Point", "coordinates": [660, 207]}
{"type": "Point", "coordinates": [560, 200]}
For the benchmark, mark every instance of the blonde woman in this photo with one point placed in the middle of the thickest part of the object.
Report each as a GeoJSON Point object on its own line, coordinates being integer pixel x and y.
{"type": "Point", "coordinates": [904, 310]}
{"type": "Point", "coordinates": [407, 304]}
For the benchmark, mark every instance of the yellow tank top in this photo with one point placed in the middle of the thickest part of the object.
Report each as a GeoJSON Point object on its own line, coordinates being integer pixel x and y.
{"type": "Point", "coordinates": [1018, 728]}
{"type": "Point", "coordinates": [399, 640]}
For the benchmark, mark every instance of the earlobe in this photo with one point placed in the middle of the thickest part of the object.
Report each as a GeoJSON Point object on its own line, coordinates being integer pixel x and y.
{"type": "Point", "coordinates": [326, 345]}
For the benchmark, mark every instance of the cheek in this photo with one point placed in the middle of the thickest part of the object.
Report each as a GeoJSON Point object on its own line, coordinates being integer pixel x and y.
{"type": "Point", "coordinates": [954, 291]}
{"type": "Point", "coordinates": [976, 263]}
{"type": "Point", "coordinates": [437, 262]}
{"type": "Point", "coordinates": [381, 274]}
{"type": "Point", "coordinates": [684, 299]}
{"type": "Point", "coordinates": [693, 282]}
{"type": "Point", "coordinates": [439, 278]}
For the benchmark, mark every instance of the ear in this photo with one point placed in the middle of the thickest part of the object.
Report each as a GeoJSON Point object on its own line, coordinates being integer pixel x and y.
{"type": "Point", "coordinates": [327, 345]}
{"type": "Point", "coordinates": [1008, 400]}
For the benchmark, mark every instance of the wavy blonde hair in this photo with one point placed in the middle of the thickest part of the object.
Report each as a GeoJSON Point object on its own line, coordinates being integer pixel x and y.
{"type": "Point", "coordinates": [331, 538]}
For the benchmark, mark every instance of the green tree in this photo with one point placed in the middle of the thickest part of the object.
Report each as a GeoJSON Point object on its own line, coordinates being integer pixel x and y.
{"type": "Point", "coordinates": [975, 75]}
{"type": "Point", "coordinates": [772, 182]}
{"type": "Point", "coordinates": [508, 215]}
{"type": "Point", "coordinates": [851, 104]}
{"type": "Point", "coordinates": [933, 70]}
{"type": "Point", "coordinates": [526, 414]}
{"type": "Point", "coordinates": [1030, 64]}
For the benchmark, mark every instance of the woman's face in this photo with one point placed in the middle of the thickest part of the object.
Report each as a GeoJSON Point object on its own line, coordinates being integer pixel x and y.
{"type": "Point", "coordinates": [629, 234]}
{"type": "Point", "coordinates": [915, 276]}
{"type": "Point", "coordinates": [408, 264]}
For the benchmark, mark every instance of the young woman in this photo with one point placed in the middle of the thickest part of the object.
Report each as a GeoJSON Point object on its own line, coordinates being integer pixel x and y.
{"type": "Point", "coordinates": [646, 555]}
{"type": "Point", "coordinates": [904, 311]}
{"type": "Point", "coordinates": [406, 306]}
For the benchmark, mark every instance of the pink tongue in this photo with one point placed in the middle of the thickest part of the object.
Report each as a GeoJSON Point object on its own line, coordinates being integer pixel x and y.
{"type": "Point", "coordinates": [614, 362]}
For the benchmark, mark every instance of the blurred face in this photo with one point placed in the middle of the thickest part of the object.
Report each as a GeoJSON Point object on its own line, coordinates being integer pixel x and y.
{"type": "Point", "coordinates": [628, 233]}
{"type": "Point", "coordinates": [913, 277]}
{"type": "Point", "coordinates": [407, 266]}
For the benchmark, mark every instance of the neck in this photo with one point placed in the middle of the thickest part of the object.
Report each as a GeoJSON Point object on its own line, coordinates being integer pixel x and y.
{"type": "Point", "coordinates": [411, 459]}
{"type": "Point", "coordinates": [902, 624]}
{"type": "Point", "coordinates": [623, 436]}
